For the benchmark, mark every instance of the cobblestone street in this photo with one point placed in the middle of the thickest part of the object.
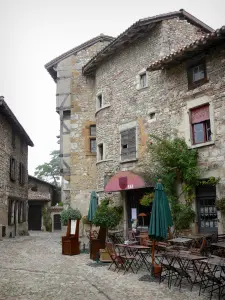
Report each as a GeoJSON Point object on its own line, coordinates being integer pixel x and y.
{"type": "Point", "coordinates": [33, 268]}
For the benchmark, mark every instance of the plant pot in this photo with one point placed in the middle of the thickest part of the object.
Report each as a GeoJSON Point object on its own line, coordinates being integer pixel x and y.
{"type": "Point", "coordinates": [187, 232]}
{"type": "Point", "coordinates": [104, 256]}
{"type": "Point", "coordinates": [156, 270]}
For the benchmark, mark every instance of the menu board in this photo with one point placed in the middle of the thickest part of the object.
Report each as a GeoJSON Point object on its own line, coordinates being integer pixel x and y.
{"type": "Point", "coordinates": [73, 226]}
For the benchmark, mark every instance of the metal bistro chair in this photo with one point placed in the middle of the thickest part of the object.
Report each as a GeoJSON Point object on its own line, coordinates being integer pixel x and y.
{"type": "Point", "coordinates": [123, 261]}
{"type": "Point", "coordinates": [213, 279]}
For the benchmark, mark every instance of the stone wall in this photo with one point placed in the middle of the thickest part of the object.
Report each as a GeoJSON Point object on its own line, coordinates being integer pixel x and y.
{"type": "Point", "coordinates": [39, 190]}
{"type": "Point", "coordinates": [82, 163]}
{"type": "Point", "coordinates": [124, 103]}
{"type": "Point", "coordinates": [9, 189]}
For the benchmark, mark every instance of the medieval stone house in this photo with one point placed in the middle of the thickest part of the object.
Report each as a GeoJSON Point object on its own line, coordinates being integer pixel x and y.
{"type": "Point", "coordinates": [42, 194]}
{"type": "Point", "coordinates": [110, 101]}
{"type": "Point", "coordinates": [14, 143]}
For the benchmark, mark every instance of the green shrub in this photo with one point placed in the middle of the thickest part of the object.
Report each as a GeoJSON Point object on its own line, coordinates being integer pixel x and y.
{"type": "Point", "coordinates": [47, 220]}
{"type": "Point", "coordinates": [147, 199]}
{"type": "Point", "coordinates": [70, 213]}
{"type": "Point", "coordinates": [106, 216]}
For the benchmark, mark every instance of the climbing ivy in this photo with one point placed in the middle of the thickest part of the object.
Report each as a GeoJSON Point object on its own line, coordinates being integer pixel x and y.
{"type": "Point", "coordinates": [173, 162]}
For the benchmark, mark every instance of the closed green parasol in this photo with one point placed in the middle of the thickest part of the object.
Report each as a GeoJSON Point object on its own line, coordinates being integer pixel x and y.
{"type": "Point", "coordinates": [92, 206]}
{"type": "Point", "coordinates": [161, 218]}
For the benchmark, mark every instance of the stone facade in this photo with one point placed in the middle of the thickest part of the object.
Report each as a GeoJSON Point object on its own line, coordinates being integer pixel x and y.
{"type": "Point", "coordinates": [13, 144]}
{"type": "Point", "coordinates": [42, 194]}
{"type": "Point", "coordinates": [124, 103]}
{"type": "Point", "coordinates": [77, 113]}
{"type": "Point", "coordinates": [41, 190]}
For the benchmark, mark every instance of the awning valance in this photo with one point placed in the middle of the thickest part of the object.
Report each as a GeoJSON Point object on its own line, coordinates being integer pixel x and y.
{"type": "Point", "coordinates": [125, 180]}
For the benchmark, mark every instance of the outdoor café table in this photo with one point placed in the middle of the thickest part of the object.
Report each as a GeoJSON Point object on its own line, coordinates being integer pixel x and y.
{"type": "Point", "coordinates": [138, 253]}
{"type": "Point", "coordinates": [179, 240]}
{"type": "Point", "coordinates": [218, 245]}
{"type": "Point", "coordinates": [187, 261]}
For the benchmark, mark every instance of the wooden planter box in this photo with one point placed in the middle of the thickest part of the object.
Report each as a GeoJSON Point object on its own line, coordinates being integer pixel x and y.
{"type": "Point", "coordinates": [70, 246]}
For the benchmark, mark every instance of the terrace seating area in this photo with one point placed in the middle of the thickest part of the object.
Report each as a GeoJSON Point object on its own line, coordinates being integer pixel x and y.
{"type": "Point", "coordinates": [193, 261]}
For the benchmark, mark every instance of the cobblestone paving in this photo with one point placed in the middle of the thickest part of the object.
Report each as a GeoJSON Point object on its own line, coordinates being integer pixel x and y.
{"type": "Point", "coordinates": [33, 268]}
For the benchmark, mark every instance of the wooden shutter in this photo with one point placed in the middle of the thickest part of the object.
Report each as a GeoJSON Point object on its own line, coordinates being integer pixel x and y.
{"type": "Point", "coordinates": [9, 211]}
{"type": "Point", "coordinates": [12, 169]}
{"type": "Point", "coordinates": [128, 144]}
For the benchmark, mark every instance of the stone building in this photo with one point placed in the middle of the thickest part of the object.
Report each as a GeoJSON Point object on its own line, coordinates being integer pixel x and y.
{"type": "Point", "coordinates": [191, 86]}
{"type": "Point", "coordinates": [42, 194]}
{"type": "Point", "coordinates": [126, 102]}
{"type": "Point", "coordinates": [14, 143]}
{"type": "Point", "coordinates": [74, 94]}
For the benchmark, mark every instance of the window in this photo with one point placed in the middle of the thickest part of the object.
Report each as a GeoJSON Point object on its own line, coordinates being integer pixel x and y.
{"type": "Point", "coordinates": [200, 122]}
{"type": "Point", "coordinates": [12, 169]}
{"type": "Point", "coordinates": [99, 101]}
{"type": "Point", "coordinates": [93, 138]}
{"type": "Point", "coordinates": [128, 144]}
{"type": "Point", "coordinates": [197, 74]}
{"type": "Point", "coordinates": [93, 130]}
{"type": "Point", "coordinates": [152, 115]}
{"type": "Point", "coordinates": [143, 80]}
{"type": "Point", "coordinates": [66, 114]}
{"type": "Point", "coordinates": [22, 174]}
{"type": "Point", "coordinates": [100, 152]}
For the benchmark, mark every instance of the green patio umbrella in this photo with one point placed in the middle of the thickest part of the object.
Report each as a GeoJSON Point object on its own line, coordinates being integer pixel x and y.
{"type": "Point", "coordinates": [161, 218]}
{"type": "Point", "coordinates": [92, 208]}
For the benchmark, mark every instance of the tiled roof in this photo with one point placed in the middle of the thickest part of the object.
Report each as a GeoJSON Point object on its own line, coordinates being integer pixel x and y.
{"type": "Point", "coordinates": [209, 40]}
{"type": "Point", "coordinates": [39, 196]}
{"type": "Point", "coordinates": [137, 30]}
{"type": "Point", "coordinates": [50, 65]}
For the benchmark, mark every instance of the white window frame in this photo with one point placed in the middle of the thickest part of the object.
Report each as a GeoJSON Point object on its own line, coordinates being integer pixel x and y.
{"type": "Point", "coordinates": [138, 77]}
{"type": "Point", "coordinates": [97, 101]}
{"type": "Point", "coordinates": [194, 103]}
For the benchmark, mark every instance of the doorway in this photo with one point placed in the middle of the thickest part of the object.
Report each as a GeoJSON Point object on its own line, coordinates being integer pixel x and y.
{"type": "Point", "coordinates": [133, 202]}
{"type": "Point", "coordinates": [57, 222]}
{"type": "Point", "coordinates": [34, 217]}
{"type": "Point", "coordinates": [206, 208]}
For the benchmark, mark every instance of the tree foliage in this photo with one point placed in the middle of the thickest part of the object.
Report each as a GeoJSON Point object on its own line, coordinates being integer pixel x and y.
{"type": "Point", "coordinates": [50, 171]}
{"type": "Point", "coordinates": [106, 216]}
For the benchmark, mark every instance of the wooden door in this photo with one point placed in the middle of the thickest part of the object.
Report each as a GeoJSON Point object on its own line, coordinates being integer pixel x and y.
{"type": "Point", "coordinates": [57, 222]}
{"type": "Point", "coordinates": [34, 217]}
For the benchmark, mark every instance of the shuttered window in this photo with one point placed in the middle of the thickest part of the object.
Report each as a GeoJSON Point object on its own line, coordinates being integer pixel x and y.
{"type": "Point", "coordinates": [22, 174]}
{"type": "Point", "coordinates": [200, 121]}
{"type": "Point", "coordinates": [128, 144]}
{"type": "Point", "coordinates": [12, 169]}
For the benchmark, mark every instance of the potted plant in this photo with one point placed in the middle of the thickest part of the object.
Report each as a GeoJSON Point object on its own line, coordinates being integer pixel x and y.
{"type": "Point", "coordinates": [70, 213]}
{"type": "Point", "coordinates": [106, 217]}
{"type": "Point", "coordinates": [147, 199]}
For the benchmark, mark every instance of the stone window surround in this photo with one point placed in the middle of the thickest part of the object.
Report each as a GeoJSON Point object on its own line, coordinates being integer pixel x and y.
{"type": "Point", "coordinates": [104, 151]}
{"type": "Point", "coordinates": [194, 103]}
{"type": "Point", "coordinates": [104, 107]}
{"type": "Point", "coordinates": [126, 126]}
{"type": "Point", "coordinates": [152, 111]}
{"type": "Point", "coordinates": [97, 104]}
{"type": "Point", "coordinates": [138, 79]}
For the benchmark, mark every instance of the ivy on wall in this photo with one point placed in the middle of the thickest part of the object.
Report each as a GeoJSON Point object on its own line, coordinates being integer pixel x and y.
{"type": "Point", "coordinates": [175, 163]}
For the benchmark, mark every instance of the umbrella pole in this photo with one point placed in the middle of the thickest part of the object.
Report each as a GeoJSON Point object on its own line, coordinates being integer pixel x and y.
{"type": "Point", "coordinates": [153, 252]}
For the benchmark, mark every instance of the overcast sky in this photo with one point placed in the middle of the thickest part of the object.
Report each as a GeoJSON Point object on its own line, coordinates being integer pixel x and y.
{"type": "Point", "coordinates": [33, 32]}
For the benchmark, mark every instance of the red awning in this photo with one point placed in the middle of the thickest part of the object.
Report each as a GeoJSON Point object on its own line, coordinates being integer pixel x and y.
{"type": "Point", "coordinates": [125, 180]}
